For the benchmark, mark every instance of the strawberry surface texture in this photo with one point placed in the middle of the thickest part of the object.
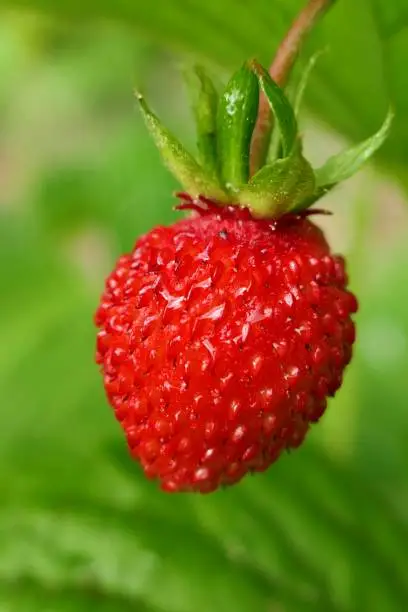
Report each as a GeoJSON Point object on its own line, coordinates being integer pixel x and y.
{"type": "Point", "coordinates": [220, 339]}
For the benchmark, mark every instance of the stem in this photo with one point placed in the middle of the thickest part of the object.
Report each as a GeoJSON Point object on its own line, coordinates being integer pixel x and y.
{"type": "Point", "coordinates": [288, 51]}
{"type": "Point", "coordinates": [280, 71]}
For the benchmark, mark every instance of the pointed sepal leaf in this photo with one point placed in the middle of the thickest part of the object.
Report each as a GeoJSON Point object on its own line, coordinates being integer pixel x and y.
{"type": "Point", "coordinates": [205, 104]}
{"type": "Point", "coordinates": [178, 160]}
{"type": "Point", "coordinates": [304, 80]}
{"type": "Point", "coordinates": [281, 107]}
{"type": "Point", "coordinates": [236, 121]}
{"type": "Point", "coordinates": [342, 166]}
{"type": "Point", "coordinates": [279, 187]}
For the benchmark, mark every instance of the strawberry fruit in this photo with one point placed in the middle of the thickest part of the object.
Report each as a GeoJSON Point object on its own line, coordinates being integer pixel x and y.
{"type": "Point", "coordinates": [222, 336]}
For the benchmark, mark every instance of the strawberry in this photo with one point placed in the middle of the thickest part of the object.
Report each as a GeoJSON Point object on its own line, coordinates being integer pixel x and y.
{"type": "Point", "coordinates": [222, 336]}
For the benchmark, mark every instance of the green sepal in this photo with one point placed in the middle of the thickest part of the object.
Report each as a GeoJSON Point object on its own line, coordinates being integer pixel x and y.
{"type": "Point", "coordinates": [304, 80]}
{"type": "Point", "coordinates": [179, 161]}
{"type": "Point", "coordinates": [342, 166]}
{"type": "Point", "coordinates": [287, 183]}
{"type": "Point", "coordinates": [279, 187]}
{"type": "Point", "coordinates": [237, 114]}
{"type": "Point", "coordinates": [205, 104]}
{"type": "Point", "coordinates": [281, 107]}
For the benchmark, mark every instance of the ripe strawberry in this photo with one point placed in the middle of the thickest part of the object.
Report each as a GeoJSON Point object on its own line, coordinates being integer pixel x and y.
{"type": "Point", "coordinates": [222, 336]}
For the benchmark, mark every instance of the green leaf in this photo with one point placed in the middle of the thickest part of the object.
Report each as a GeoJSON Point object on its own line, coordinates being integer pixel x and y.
{"type": "Point", "coordinates": [184, 167]}
{"type": "Point", "coordinates": [281, 108]}
{"type": "Point", "coordinates": [342, 166]}
{"type": "Point", "coordinates": [236, 120]}
{"type": "Point", "coordinates": [205, 104]}
{"type": "Point", "coordinates": [37, 595]}
{"type": "Point", "coordinates": [279, 187]}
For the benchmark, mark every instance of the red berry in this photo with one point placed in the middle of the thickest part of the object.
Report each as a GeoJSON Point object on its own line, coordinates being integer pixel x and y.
{"type": "Point", "coordinates": [220, 339]}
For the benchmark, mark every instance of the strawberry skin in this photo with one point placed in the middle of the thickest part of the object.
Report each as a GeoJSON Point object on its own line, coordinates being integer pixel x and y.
{"type": "Point", "coordinates": [221, 338]}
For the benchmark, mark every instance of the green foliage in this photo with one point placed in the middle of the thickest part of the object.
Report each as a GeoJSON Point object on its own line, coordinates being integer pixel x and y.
{"type": "Point", "coordinates": [369, 36]}
{"type": "Point", "coordinates": [326, 529]}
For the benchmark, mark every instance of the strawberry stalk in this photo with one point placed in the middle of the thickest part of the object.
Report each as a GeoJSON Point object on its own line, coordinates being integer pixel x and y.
{"type": "Point", "coordinates": [280, 71]}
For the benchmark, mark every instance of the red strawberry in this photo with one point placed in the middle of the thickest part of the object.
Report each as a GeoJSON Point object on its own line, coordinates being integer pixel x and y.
{"type": "Point", "coordinates": [222, 336]}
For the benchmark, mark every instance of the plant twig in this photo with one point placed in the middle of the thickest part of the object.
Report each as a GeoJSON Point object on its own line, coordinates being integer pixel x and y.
{"type": "Point", "coordinates": [280, 71]}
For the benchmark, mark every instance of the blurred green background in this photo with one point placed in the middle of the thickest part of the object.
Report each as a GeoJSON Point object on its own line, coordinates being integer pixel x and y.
{"type": "Point", "coordinates": [326, 529]}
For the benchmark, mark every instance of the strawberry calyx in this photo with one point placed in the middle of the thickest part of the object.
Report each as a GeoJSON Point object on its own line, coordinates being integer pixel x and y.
{"type": "Point", "coordinates": [203, 206]}
{"type": "Point", "coordinates": [285, 181]}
